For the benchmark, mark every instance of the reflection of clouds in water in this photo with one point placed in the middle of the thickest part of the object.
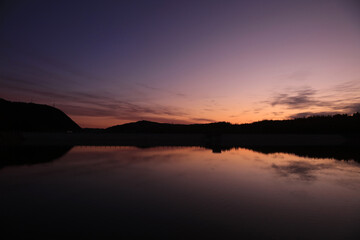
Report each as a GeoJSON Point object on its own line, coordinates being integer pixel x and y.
{"type": "Point", "coordinates": [299, 169]}
{"type": "Point", "coordinates": [349, 183]}
{"type": "Point", "coordinates": [300, 194]}
{"type": "Point", "coordinates": [349, 175]}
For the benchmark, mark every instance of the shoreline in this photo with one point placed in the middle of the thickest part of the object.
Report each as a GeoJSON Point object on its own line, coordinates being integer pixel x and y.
{"type": "Point", "coordinates": [220, 140]}
{"type": "Point", "coordinates": [38, 147]}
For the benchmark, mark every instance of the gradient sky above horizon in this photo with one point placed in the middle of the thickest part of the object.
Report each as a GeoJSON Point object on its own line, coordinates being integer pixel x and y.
{"type": "Point", "coordinates": [110, 62]}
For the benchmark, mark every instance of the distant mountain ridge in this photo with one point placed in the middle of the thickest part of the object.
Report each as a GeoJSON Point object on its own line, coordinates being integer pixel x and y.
{"type": "Point", "coordinates": [154, 127]}
{"type": "Point", "coordinates": [31, 117]}
{"type": "Point", "coordinates": [337, 124]}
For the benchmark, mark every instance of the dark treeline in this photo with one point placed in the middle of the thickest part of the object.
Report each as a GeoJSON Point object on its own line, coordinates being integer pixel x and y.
{"type": "Point", "coordinates": [30, 117]}
{"type": "Point", "coordinates": [341, 123]}
{"type": "Point", "coordinates": [337, 124]}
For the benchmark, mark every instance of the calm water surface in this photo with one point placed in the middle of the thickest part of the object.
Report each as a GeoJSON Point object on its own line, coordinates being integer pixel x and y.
{"type": "Point", "coordinates": [182, 193]}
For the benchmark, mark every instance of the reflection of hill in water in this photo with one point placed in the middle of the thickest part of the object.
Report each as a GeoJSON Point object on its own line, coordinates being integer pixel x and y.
{"type": "Point", "coordinates": [335, 152]}
{"type": "Point", "coordinates": [29, 155]}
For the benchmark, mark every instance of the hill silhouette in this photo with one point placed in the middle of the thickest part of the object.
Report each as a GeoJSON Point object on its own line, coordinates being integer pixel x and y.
{"type": "Point", "coordinates": [30, 117]}
{"type": "Point", "coordinates": [154, 127]}
{"type": "Point", "coordinates": [337, 124]}
{"type": "Point", "coordinates": [26, 117]}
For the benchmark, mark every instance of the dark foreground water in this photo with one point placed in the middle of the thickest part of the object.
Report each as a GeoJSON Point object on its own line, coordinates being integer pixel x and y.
{"type": "Point", "coordinates": [177, 193]}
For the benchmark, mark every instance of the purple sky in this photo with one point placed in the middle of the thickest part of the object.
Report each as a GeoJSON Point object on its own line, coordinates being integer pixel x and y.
{"type": "Point", "coordinates": [109, 62]}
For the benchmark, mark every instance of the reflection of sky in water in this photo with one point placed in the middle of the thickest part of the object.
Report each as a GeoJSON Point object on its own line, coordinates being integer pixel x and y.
{"type": "Point", "coordinates": [187, 191]}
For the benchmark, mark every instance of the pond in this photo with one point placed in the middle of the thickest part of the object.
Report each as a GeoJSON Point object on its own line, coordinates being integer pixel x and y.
{"type": "Point", "coordinates": [177, 193]}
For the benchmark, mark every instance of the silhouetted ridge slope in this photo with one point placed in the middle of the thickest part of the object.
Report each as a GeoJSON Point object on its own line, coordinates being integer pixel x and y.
{"type": "Point", "coordinates": [18, 116]}
{"type": "Point", "coordinates": [153, 127]}
{"type": "Point", "coordinates": [337, 124]}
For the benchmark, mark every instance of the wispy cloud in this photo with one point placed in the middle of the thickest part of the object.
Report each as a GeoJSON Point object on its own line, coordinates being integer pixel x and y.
{"type": "Point", "coordinates": [95, 104]}
{"type": "Point", "coordinates": [348, 87]}
{"type": "Point", "coordinates": [341, 98]}
{"type": "Point", "coordinates": [297, 99]}
{"type": "Point", "coordinates": [353, 107]}
{"type": "Point", "coordinates": [308, 114]}
{"type": "Point", "coordinates": [206, 120]}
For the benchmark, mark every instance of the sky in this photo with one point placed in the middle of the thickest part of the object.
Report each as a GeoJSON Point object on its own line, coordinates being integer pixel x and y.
{"type": "Point", "coordinates": [110, 62]}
